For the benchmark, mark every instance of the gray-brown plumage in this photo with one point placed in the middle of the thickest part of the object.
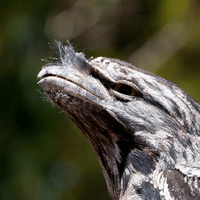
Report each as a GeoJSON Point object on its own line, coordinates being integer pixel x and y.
{"type": "Point", "coordinates": [145, 130]}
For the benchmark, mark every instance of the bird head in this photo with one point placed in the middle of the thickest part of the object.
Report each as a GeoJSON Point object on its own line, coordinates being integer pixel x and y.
{"type": "Point", "coordinates": [131, 117]}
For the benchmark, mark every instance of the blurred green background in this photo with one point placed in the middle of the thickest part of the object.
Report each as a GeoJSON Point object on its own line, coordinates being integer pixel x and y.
{"type": "Point", "coordinates": [42, 154]}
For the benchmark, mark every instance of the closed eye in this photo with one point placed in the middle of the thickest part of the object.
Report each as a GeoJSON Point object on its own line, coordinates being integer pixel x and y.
{"type": "Point", "coordinates": [124, 89]}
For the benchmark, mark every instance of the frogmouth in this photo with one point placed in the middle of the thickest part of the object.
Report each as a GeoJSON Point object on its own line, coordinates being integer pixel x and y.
{"type": "Point", "coordinates": [145, 130]}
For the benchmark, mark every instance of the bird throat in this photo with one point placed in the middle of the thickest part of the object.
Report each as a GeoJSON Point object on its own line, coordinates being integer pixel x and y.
{"type": "Point", "coordinates": [108, 138]}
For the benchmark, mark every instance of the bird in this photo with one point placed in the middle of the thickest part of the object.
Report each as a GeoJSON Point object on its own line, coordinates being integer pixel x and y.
{"type": "Point", "coordinates": [144, 129]}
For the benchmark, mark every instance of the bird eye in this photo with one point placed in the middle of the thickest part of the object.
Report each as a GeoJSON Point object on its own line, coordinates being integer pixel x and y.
{"type": "Point", "coordinates": [125, 89]}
